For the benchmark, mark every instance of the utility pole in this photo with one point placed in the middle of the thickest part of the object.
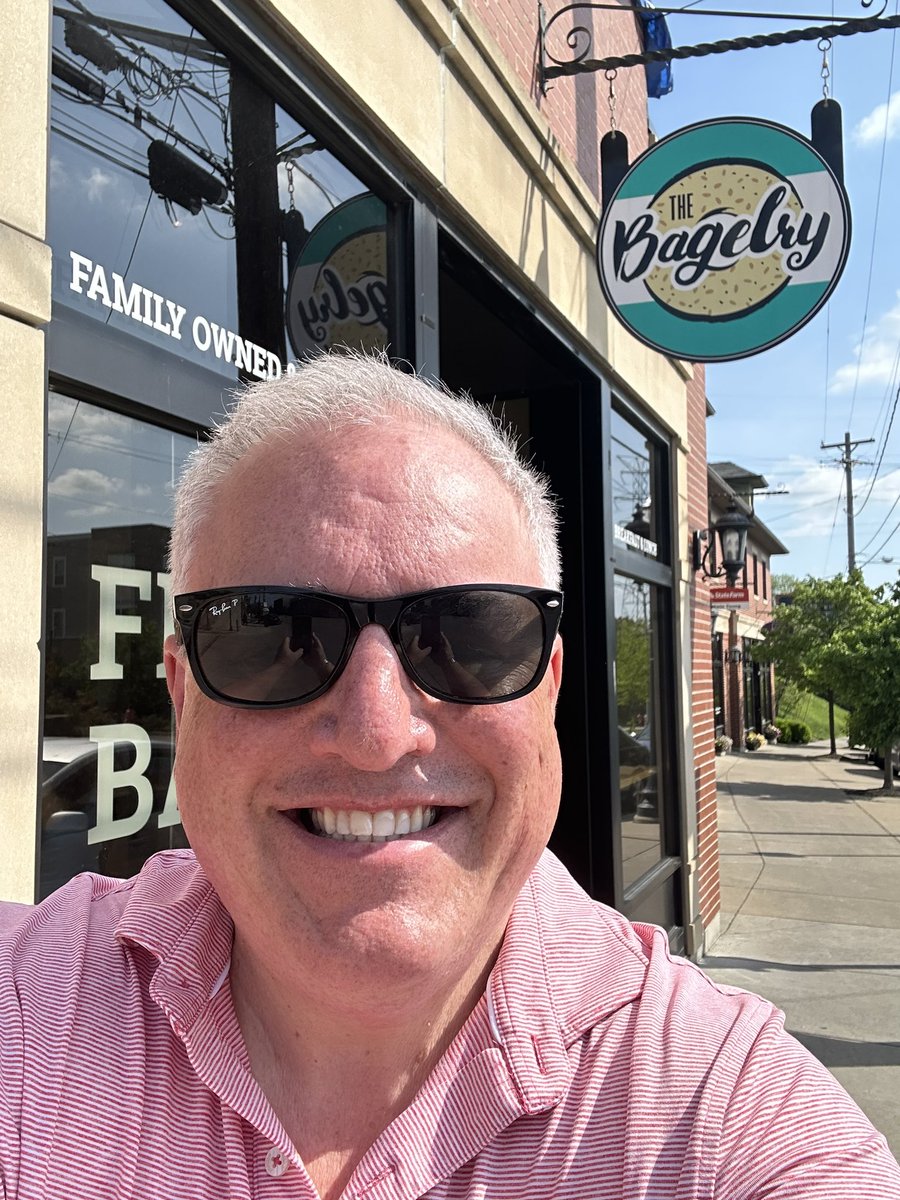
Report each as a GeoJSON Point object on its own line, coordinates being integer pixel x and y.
{"type": "Point", "coordinates": [847, 463]}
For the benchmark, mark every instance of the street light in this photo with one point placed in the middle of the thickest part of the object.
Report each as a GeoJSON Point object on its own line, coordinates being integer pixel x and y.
{"type": "Point", "coordinates": [732, 529]}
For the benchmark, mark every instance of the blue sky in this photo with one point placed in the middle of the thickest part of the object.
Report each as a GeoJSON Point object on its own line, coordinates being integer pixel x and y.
{"type": "Point", "coordinates": [842, 371]}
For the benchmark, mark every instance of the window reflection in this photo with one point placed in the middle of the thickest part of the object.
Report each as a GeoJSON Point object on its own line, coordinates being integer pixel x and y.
{"type": "Point", "coordinates": [191, 211]}
{"type": "Point", "coordinates": [638, 716]}
{"type": "Point", "coordinates": [106, 800]}
{"type": "Point", "coordinates": [634, 502]}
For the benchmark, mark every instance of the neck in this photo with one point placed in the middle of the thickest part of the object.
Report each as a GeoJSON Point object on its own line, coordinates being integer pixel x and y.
{"type": "Point", "coordinates": [338, 1065]}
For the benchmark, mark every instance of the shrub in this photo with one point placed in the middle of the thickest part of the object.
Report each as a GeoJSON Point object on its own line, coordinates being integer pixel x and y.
{"type": "Point", "coordinates": [794, 733]}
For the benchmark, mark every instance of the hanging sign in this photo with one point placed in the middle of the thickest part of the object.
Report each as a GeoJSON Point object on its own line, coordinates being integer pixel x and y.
{"type": "Point", "coordinates": [723, 239]}
{"type": "Point", "coordinates": [337, 292]}
{"type": "Point", "coordinates": [729, 597]}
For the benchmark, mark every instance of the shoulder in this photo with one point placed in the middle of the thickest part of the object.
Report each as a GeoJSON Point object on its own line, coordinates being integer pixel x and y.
{"type": "Point", "coordinates": [598, 962]}
{"type": "Point", "coordinates": [74, 934]}
{"type": "Point", "coordinates": [693, 1071]}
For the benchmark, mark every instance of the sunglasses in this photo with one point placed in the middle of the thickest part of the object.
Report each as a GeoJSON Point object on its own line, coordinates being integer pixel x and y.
{"type": "Point", "coordinates": [276, 647]}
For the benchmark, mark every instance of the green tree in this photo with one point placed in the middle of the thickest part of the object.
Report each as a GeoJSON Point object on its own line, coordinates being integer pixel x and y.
{"type": "Point", "coordinates": [782, 582]}
{"type": "Point", "coordinates": [872, 651]}
{"type": "Point", "coordinates": [632, 671]}
{"type": "Point", "coordinates": [806, 639]}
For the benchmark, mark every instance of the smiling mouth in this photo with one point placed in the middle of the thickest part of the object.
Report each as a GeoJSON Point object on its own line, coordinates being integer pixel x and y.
{"type": "Point", "coordinates": [355, 825]}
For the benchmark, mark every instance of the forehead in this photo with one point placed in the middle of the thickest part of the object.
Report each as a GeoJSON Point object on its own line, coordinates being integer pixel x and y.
{"type": "Point", "coordinates": [367, 510]}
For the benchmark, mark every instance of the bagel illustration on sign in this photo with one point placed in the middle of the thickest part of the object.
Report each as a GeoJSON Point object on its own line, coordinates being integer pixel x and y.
{"type": "Point", "coordinates": [337, 292]}
{"type": "Point", "coordinates": [723, 239]}
{"type": "Point", "coordinates": [737, 287]}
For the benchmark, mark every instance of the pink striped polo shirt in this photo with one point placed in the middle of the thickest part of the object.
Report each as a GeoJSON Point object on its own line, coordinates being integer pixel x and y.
{"type": "Point", "coordinates": [595, 1067]}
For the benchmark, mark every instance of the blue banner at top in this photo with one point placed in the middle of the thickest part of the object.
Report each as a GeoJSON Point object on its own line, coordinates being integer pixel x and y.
{"type": "Point", "coordinates": [654, 36]}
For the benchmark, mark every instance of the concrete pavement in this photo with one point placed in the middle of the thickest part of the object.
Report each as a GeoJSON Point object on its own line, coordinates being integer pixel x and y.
{"type": "Point", "coordinates": [810, 870]}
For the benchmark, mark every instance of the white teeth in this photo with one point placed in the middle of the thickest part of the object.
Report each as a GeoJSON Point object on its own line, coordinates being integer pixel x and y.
{"type": "Point", "coordinates": [384, 824]}
{"type": "Point", "coordinates": [357, 826]}
{"type": "Point", "coordinates": [361, 824]}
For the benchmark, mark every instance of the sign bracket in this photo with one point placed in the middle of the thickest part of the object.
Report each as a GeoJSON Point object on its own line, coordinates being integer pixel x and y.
{"type": "Point", "coordinates": [580, 41]}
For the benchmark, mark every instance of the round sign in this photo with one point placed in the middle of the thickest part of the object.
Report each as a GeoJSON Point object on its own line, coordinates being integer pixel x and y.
{"type": "Point", "coordinates": [723, 239]}
{"type": "Point", "coordinates": [337, 292]}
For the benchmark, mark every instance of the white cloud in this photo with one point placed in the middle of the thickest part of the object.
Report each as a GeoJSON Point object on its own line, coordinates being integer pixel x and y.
{"type": "Point", "coordinates": [883, 121]}
{"type": "Point", "coordinates": [84, 483]}
{"type": "Point", "coordinates": [59, 178]}
{"type": "Point", "coordinates": [816, 506]}
{"type": "Point", "coordinates": [807, 510]}
{"type": "Point", "coordinates": [97, 183]}
{"type": "Point", "coordinates": [886, 487]}
{"type": "Point", "coordinates": [875, 359]}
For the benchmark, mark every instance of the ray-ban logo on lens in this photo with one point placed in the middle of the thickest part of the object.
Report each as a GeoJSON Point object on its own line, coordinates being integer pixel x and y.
{"type": "Point", "coordinates": [723, 239]}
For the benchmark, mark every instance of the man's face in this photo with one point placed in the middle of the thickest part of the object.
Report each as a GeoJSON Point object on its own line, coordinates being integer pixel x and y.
{"type": "Point", "coordinates": [368, 513]}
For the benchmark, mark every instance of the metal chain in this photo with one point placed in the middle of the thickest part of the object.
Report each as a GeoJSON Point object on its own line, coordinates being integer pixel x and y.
{"type": "Point", "coordinates": [611, 78]}
{"type": "Point", "coordinates": [289, 167]}
{"type": "Point", "coordinates": [825, 46]}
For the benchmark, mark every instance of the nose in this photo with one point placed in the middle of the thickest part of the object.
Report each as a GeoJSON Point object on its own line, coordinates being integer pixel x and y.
{"type": "Point", "coordinates": [373, 715]}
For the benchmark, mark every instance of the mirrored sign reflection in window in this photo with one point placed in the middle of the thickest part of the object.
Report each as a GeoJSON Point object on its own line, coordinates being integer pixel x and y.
{"type": "Point", "coordinates": [637, 707]}
{"type": "Point", "coordinates": [189, 210]}
{"type": "Point", "coordinates": [107, 801]}
{"type": "Point", "coordinates": [635, 498]}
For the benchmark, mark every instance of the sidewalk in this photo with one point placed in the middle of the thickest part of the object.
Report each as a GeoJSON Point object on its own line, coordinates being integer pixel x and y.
{"type": "Point", "coordinates": [810, 871]}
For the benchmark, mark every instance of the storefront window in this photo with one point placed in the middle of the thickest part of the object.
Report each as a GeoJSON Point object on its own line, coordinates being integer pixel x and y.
{"type": "Point", "coordinates": [635, 492]}
{"type": "Point", "coordinates": [752, 712]}
{"type": "Point", "coordinates": [190, 211]}
{"type": "Point", "coordinates": [718, 676]}
{"type": "Point", "coordinates": [106, 796]}
{"type": "Point", "coordinates": [639, 724]}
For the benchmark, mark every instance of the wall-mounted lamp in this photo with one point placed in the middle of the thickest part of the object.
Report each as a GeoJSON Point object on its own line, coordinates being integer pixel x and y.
{"type": "Point", "coordinates": [732, 530]}
{"type": "Point", "coordinates": [639, 522]}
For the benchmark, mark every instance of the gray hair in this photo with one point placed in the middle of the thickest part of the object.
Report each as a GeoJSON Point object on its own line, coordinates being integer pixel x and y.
{"type": "Point", "coordinates": [341, 389]}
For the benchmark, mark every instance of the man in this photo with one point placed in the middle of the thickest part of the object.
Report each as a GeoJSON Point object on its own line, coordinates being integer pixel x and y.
{"type": "Point", "coordinates": [370, 982]}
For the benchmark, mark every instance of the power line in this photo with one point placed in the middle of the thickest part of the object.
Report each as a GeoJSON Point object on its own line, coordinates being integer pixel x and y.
{"type": "Point", "coordinates": [883, 447]}
{"type": "Point", "coordinates": [874, 230]}
{"type": "Point", "coordinates": [893, 532]}
{"type": "Point", "coordinates": [837, 509]}
{"type": "Point", "coordinates": [881, 526]}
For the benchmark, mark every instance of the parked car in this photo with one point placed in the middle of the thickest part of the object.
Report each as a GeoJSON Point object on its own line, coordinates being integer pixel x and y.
{"type": "Point", "coordinates": [69, 811]}
{"type": "Point", "coordinates": [877, 758]}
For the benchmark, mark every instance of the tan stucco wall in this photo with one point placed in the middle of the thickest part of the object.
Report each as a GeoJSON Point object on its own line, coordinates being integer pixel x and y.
{"type": "Point", "coordinates": [24, 307]}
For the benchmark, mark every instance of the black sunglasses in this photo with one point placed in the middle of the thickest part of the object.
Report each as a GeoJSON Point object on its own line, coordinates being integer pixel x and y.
{"type": "Point", "coordinates": [275, 647]}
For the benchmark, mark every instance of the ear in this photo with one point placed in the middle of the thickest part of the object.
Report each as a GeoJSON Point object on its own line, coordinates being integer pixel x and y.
{"type": "Point", "coordinates": [176, 665]}
{"type": "Point", "coordinates": [555, 670]}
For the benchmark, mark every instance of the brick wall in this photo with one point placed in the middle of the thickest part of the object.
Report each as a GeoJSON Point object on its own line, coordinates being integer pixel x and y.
{"type": "Point", "coordinates": [702, 717]}
{"type": "Point", "coordinates": [576, 108]}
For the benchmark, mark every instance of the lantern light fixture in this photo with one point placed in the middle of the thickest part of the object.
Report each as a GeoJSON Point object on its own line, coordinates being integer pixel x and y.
{"type": "Point", "coordinates": [732, 528]}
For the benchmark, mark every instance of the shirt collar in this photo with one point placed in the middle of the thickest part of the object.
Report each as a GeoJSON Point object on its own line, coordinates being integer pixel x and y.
{"type": "Point", "coordinates": [175, 914]}
{"type": "Point", "coordinates": [566, 964]}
